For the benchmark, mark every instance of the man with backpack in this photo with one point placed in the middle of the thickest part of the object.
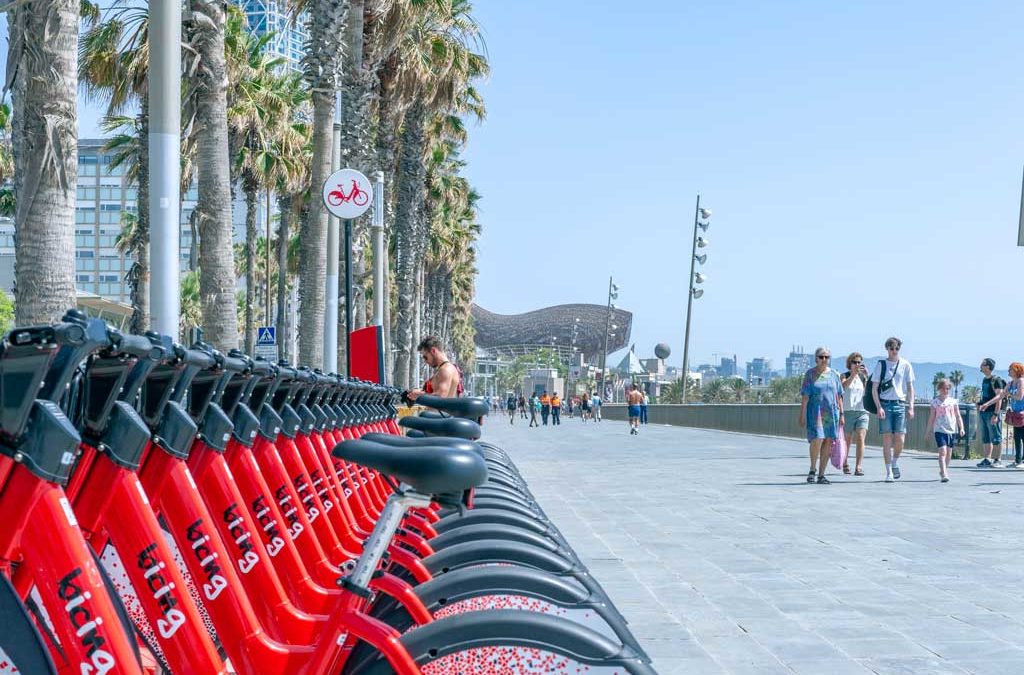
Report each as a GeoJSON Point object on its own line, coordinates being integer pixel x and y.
{"type": "Point", "coordinates": [892, 390]}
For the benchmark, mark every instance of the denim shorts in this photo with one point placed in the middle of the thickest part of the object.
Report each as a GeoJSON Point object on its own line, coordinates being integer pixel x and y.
{"type": "Point", "coordinates": [943, 440]}
{"type": "Point", "coordinates": [895, 421]}
{"type": "Point", "coordinates": [856, 419]}
{"type": "Point", "coordinates": [991, 428]}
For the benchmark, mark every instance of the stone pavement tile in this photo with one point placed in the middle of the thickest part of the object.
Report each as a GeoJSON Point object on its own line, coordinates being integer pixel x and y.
{"type": "Point", "coordinates": [692, 666]}
{"type": "Point", "coordinates": [830, 666]}
{"type": "Point", "coordinates": [992, 667]}
{"type": "Point", "coordinates": [873, 647]}
{"type": "Point", "coordinates": [988, 650]}
{"type": "Point", "coordinates": [739, 653]}
{"type": "Point", "coordinates": [807, 647]}
{"type": "Point", "coordinates": [912, 666]}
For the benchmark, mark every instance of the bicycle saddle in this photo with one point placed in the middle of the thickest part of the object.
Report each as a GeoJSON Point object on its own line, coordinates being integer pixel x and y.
{"type": "Point", "coordinates": [414, 442]}
{"type": "Point", "coordinates": [468, 407]}
{"type": "Point", "coordinates": [450, 426]}
{"type": "Point", "coordinates": [430, 470]}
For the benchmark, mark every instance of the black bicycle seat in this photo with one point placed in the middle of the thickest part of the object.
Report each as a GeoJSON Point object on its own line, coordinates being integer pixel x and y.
{"type": "Point", "coordinates": [467, 406]}
{"type": "Point", "coordinates": [451, 426]}
{"type": "Point", "coordinates": [428, 469]}
{"type": "Point", "coordinates": [425, 441]}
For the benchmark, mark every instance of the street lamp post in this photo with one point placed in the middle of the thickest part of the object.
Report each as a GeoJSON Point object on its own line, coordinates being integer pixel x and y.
{"type": "Point", "coordinates": [613, 294]}
{"type": "Point", "coordinates": [700, 220]}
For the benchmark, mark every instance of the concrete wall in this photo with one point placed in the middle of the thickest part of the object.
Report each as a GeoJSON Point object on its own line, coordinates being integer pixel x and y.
{"type": "Point", "coordinates": [779, 420]}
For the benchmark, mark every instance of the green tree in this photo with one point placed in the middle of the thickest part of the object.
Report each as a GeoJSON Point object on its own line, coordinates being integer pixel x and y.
{"type": "Point", "coordinates": [718, 391]}
{"type": "Point", "coordinates": [939, 376]}
{"type": "Point", "coordinates": [784, 390]}
{"type": "Point", "coordinates": [740, 388]}
{"type": "Point", "coordinates": [6, 312]}
{"type": "Point", "coordinates": [972, 394]}
{"type": "Point", "coordinates": [956, 377]}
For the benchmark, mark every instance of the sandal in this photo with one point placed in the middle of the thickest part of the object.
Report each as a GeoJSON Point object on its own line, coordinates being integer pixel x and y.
{"type": "Point", "coordinates": [846, 469]}
{"type": "Point", "coordinates": [858, 472]}
{"type": "Point", "coordinates": [811, 475]}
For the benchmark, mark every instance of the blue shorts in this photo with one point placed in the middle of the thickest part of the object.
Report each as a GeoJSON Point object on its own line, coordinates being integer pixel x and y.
{"type": "Point", "coordinates": [943, 440]}
{"type": "Point", "coordinates": [634, 411]}
{"type": "Point", "coordinates": [895, 421]}
{"type": "Point", "coordinates": [991, 428]}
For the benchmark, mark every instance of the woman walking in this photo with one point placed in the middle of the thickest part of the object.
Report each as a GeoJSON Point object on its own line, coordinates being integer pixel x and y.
{"type": "Point", "coordinates": [856, 428]}
{"type": "Point", "coordinates": [821, 412]}
{"type": "Point", "coordinates": [1014, 392]}
{"type": "Point", "coordinates": [510, 406]}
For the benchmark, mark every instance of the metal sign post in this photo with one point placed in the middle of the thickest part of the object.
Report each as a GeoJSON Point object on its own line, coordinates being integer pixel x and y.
{"type": "Point", "coordinates": [347, 195]}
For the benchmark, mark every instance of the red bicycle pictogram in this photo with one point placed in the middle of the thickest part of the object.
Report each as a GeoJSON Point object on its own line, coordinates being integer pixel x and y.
{"type": "Point", "coordinates": [356, 195]}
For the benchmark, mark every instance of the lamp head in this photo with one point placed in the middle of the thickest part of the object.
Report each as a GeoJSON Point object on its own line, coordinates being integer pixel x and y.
{"type": "Point", "coordinates": [699, 278]}
{"type": "Point", "coordinates": [704, 226]}
{"type": "Point", "coordinates": [705, 213]}
{"type": "Point", "coordinates": [701, 258]}
{"type": "Point", "coordinates": [702, 242]}
{"type": "Point", "coordinates": [697, 293]}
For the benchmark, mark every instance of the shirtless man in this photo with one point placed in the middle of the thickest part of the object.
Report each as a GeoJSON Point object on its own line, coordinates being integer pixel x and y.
{"type": "Point", "coordinates": [635, 399]}
{"type": "Point", "coordinates": [446, 380]}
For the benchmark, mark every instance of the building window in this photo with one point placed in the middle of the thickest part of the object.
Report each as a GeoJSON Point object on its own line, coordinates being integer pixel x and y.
{"type": "Point", "coordinates": [114, 278]}
{"type": "Point", "coordinates": [85, 216]}
{"type": "Point", "coordinates": [131, 194]}
{"type": "Point", "coordinates": [85, 254]}
{"type": "Point", "coordinates": [85, 265]}
{"type": "Point", "coordinates": [110, 193]}
{"type": "Point", "coordinates": [86, 169]}
{"type": "Point", "coordinates": [107, 240]}
{"type": "Point", "coordinates": [85, 193]}
{"type": "Point", "coordinates": [83, 278]}
{"type": "Point", "coordinates": [85, 240]}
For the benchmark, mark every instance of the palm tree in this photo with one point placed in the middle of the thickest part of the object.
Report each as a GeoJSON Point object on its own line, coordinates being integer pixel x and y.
{"type": "Point", "coordinates": [740, 388]}
{"type": "Point", "coordinates": [322, 67]}
{"type": "Point", "coordinates": [7, 202]}
{"type": "Point", "coordinates": [718, 391]}
{"type": "Point", "coordinates": [972, 394]}
{"type": "Point", "coordinates": [191, 302]}
{"type": "Point", "coordinates": [114, 67]}
{"type": "Point", "coordinates": [203, 31]}
{"type": "Point", "coordinates": [939, 376]}
{"type": "Point", "coordinates": [439, 64]}
{"type": "Point", "coordinates": [42, 74]}
{"type": "Point", "coordinates": [956, 377]}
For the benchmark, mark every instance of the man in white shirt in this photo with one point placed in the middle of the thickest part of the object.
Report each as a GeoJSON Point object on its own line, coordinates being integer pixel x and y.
{"type": "Point", "coordinates": [894, 399]}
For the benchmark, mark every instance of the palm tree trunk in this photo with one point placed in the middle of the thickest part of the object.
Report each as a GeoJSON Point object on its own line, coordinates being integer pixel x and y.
{"type": "Point", "coordinates": [284, 208]}
{"type": "Point", "coordinates": [213, 176]}
{"type": "Point", "coordinates": [410, 197]}
{"type": "Point", "coordinates": [140, 290]}
{"type": "Point", "coordinates": [250, 267]}
{"type": "Point", "coordinates": [313, 263]}
{"type": "Point", "coordinates": [42, 72]}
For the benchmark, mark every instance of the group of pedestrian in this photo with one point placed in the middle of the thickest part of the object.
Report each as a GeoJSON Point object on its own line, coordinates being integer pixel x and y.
{"type": "Point", "coordinates": [548, 407]}
{"type": "Point", "coordinates": [833, 403]}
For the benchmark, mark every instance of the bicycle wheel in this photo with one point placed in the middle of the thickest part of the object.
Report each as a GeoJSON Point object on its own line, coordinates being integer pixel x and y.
{"type": "Point", "coordinates": [509, 642]}
{"type": "Point", "coordinates": [22, 649]}
{"type": "Point", "coordinates": [360, 198]}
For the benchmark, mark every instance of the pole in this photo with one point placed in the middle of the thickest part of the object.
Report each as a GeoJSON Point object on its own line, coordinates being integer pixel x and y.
{"type": "Point", "coordinates": [165, 164]}
{"type": "Point", "coordinates": [331, 298]}
{"type": "Point", "coordinates": [348, 296]}
{"type": "Point", "coordinates": [269, 320]}
{"type": "Point", "coordinates": [378, 249]}
{"type": "Point", "coordinates": [604, 353]}
{"type": "Point", "coordinates": [689, 304]}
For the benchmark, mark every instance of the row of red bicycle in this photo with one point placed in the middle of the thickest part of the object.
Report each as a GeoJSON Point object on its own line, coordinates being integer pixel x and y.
{"type": "Point", "coordinates": [179, 510]}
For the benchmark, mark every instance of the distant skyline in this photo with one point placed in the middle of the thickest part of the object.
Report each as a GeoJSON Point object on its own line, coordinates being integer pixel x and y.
{"type": "Point", "coordinates": [863, 162]}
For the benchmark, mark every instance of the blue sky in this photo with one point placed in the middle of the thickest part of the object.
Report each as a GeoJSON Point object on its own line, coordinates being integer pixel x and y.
{"type": "Point", "coordinates": [863, 163]}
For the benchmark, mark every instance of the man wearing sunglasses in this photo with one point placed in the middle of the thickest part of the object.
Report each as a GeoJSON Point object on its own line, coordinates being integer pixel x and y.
{"type": "Point", "coordinates": [990, 415]}
{"type": "Point", "coordinates": [894, 398]}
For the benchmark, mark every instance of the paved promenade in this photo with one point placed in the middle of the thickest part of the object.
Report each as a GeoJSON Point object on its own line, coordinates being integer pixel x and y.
{"type": "Point", "coordinates": [725, 561]}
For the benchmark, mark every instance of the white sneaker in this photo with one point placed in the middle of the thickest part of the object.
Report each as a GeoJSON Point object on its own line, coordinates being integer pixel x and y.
{"type": "Point", "coordinates": [888, 477]}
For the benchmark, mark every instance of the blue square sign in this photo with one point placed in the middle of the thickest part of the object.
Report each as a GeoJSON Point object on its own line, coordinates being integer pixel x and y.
{"type": "Point", "coordinates": [266, 336]}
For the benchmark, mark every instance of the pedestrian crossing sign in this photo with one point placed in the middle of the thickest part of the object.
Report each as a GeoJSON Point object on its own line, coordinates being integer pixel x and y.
{"type": "Point", "coordinates": [266, 336]}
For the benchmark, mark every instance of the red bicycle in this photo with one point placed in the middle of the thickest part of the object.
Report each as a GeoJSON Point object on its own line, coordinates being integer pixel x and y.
{"type": "Point", "coordinates": [356, 195]}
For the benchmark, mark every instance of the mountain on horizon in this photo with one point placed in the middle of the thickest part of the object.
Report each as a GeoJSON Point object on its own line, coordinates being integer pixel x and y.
{"type": "Point", "coordinates": [924, 372]}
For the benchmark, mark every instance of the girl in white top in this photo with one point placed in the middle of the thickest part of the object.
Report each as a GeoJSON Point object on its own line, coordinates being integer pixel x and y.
{"type": "Point", "coordinates": [947, 424]}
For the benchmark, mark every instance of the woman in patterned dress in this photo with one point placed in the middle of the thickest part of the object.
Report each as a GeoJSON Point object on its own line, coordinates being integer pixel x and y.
{"type": "Point", "coordinates": [821, 412]}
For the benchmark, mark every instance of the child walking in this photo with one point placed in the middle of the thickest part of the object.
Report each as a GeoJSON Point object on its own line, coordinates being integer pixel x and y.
{"type": "Point", "coordinates": [947, 424]}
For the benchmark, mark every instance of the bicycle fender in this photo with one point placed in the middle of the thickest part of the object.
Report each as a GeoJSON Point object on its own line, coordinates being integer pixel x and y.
{"type": "Point", "coordinates": [459, 535]}
{"type": "Point", "coordinates": [474, 516]}
{"type": "Point", "coordinates": [484, 551]}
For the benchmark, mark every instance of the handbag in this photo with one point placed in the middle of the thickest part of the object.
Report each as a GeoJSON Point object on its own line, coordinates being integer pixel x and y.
{"type": "Point", "coordinates": [1015, 419]}
{"type": "Point", "coordinates": [883, 385]}
{"type": "Point", "coordinates": [839, 449]}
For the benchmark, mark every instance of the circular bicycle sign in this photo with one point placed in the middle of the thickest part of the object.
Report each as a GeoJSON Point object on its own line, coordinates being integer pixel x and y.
{"type": "Point", "coordinates": [347, 194]}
